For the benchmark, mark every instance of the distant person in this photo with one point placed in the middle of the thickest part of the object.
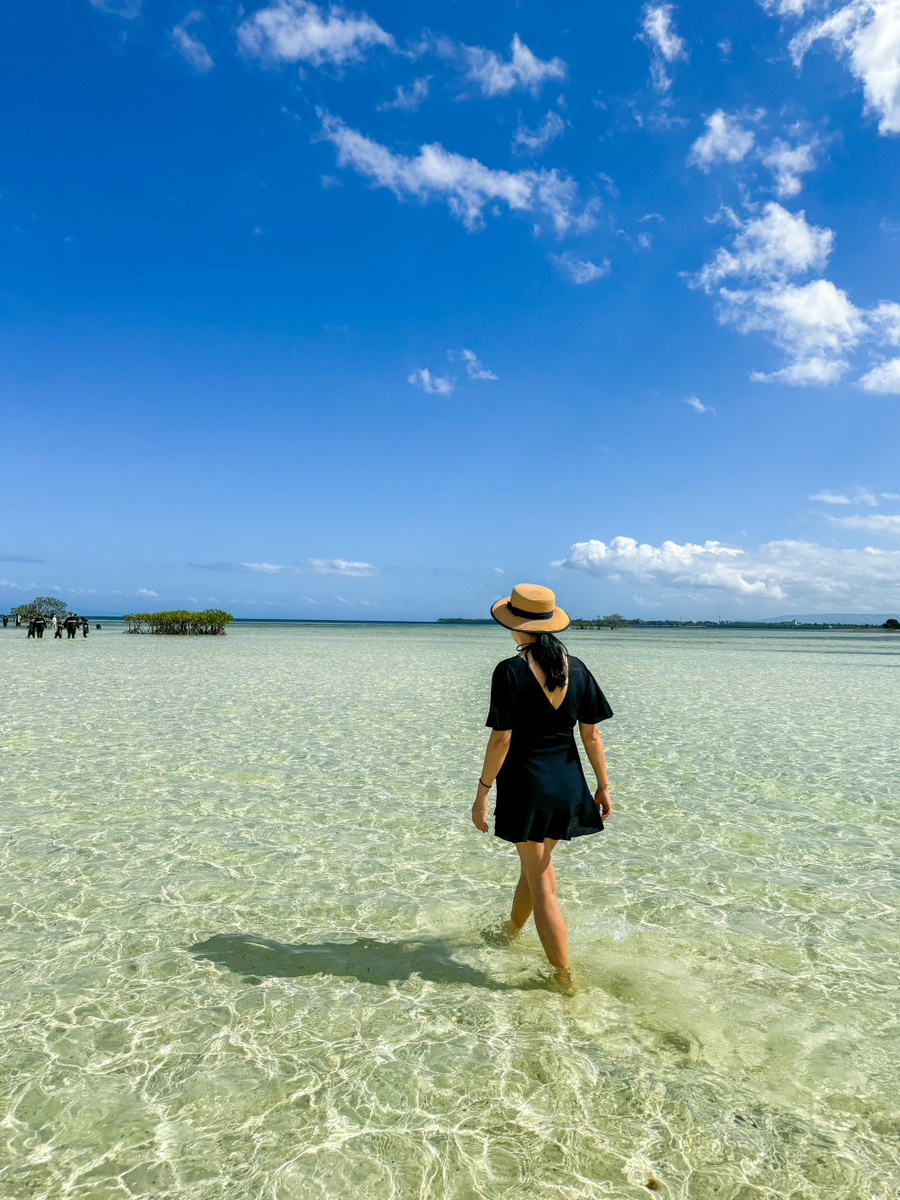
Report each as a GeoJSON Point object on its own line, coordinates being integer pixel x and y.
{"type": "Point", "coordinates": [99, 625]}
{"type": "Point", "coordinates": [57, 633]}
{"type": "Point", "coordinates": [71, 625]}
{"type": "Point", "coordinates": [85, 627]}
{"type": "Point", "coordinates": [39, 625]}
{"type": "Point", "coordinates": [542, 795]}
{"type": "Point", "coordinates": [54, 623]}
{"type": "Point", "coordinates": [31, 630]}
{"type": "Point", "coordinates": [5, 622]}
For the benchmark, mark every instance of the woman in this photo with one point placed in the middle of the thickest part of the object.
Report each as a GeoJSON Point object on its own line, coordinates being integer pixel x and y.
{"type": "Point", "coordinates": [542, 795]}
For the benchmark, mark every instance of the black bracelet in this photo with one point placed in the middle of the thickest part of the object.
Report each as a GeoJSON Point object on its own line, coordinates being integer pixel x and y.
{"type": "Point", "coordinates": [487, 785]}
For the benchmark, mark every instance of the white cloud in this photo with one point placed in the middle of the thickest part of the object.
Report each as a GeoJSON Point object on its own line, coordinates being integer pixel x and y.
{"type": "Point", "coordinates": [867, 34]}
{"type": "Point", "coordinates": [119, 8]}
{"type": "Point", "coordinates": [499, 571]}
{"type": "Point", "coordinates": [300, 31]}
{"type": "Point", "coordinates": [787, 163]}
{"type": "Point", "coordinates": [786, 8]}
{"type": "Point", "coordinates": [536, 141]}
{"type": "Point", "coordinates": [815, 324]}
{"type": "Point", "coordinates": [581, 270]}
{"type": "Point", "coordinates": [265, 568]}
{"type": "Point", "coordinates": [770, 247]}
{"type": "Point", "coordinates": [725, 140]}
{"type": "Point", "coordinates": [883, 380]}
{"type": "Point", "coordinates": [658, 32]}
{"type": "Point", "coordinates": [860, 496]}
{"type": "Point", "coordinates": [697, 404]}
{"type": "Point", "coordinates": [147, 592]}
{"type": "Point", "coordinates": [876, 523]}
{"type": "Point", "coordinates": [408, 101]}
{"type": "Point", "coordinates": [189, 47]}
{"type": "Point", "coordinates": [885, 319]}
{"type": "Point", "coordinates": [339, 566]}
{"type": "Point", "coordinates": [465, 184]}
{"type": "Point", "coordinates": [475, 368]}
{"type": "Point", "coordinates": [497, 77]}
{"type": "Point", "coordinates": [800, 572]}
{"type": "Point", "coordinates": [434, 385]}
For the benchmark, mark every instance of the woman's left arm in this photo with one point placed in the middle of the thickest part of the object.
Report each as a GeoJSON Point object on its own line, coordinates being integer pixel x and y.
{"type": "Point", "coordinates": [494, 757]}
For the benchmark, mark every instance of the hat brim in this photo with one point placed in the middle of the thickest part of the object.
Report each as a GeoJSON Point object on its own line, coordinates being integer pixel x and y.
{"type": "Point", "coordinates": [553, 624]}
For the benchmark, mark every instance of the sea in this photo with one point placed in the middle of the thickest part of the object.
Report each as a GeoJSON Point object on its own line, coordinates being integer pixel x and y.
{"type": "Point", "coordinates": [250, 935]}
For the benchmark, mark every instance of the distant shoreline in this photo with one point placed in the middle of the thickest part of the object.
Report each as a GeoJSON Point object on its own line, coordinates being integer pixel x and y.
{"type": "Point", "coordinates": [581, 626]}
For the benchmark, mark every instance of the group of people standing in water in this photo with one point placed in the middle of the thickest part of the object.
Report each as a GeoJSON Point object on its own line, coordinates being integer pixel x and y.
{"type": "Point", "coordinates": [71, 623]}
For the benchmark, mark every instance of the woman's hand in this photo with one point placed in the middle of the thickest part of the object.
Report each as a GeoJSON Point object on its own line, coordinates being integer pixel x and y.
{"type": "Point", "coordinates": [601, 797]}
{"type": "Point", "coordinates": [480, 810]}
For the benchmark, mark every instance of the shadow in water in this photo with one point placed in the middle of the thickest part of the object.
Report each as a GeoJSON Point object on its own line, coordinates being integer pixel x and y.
{"type": "Point", "coordinates": [365, 959]}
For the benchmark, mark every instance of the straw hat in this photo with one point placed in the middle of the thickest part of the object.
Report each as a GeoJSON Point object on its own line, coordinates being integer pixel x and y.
{"type": "Point", "coordinates": [531, 609]}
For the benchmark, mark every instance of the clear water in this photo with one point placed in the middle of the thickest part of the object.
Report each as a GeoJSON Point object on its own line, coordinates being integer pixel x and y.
{"type": "Point", "coordinates": [246, 922]}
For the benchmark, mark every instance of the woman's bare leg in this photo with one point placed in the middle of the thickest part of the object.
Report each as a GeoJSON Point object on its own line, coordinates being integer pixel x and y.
{"type": "Point", "coordinates": [523, 905]}
{"type": "Point", "coordinates": [541, 879]}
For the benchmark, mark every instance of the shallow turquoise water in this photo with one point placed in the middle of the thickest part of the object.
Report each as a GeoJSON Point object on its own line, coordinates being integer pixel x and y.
{"type": "Point", "coordinates": [246, 924]}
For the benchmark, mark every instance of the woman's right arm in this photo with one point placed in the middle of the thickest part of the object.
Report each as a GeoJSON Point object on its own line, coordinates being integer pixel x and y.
{"type": "Point", "coordinates": [593, 745]}
{"type": "Point", "coordinates": [494, 758]}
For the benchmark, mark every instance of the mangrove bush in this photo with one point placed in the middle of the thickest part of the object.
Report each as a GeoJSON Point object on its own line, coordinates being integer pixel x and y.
{"type": "Point", "coordinates": [211, 621]}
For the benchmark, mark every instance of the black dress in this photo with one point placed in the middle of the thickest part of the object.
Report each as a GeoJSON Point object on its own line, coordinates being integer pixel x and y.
{"type": "Point", "coordinates": [541, 788]}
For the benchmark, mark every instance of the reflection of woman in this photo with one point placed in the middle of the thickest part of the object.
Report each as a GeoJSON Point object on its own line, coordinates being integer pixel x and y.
{"type": "Point", "coordinates": [542, 795]}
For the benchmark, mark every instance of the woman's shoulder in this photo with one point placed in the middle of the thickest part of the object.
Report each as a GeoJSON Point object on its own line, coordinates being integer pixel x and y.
{"type": "Point", "coordinates": [508, 665]}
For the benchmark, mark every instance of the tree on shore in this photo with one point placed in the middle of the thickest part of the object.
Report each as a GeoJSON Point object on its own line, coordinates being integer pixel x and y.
{"type": "Point", "coordinates": [891, 623]}
{"type": "Point", "coordinates": [43, 606]}
{"type": "Point", "coordinates": [613, 621]}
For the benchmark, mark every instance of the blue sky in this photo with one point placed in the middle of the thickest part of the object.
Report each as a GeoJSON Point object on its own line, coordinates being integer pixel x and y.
{"type": "Point", "coordinates": [374, 312]}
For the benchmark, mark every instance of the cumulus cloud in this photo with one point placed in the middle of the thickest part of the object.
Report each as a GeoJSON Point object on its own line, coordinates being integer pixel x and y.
{"type": "Point", "coordinates": [883, 380]}
{"type": "Point", "coordinates": [536, 141]}
{"type": "Point", "coordinates": [867, 34]}
{"type": "Point", "coordinates": [787, 163]}
{"type": "Point", "coordinates": [434, 385]}
{"type": "Point", "coordinates": [497, 77]}
{"type": "Point", "coordinates": [776, 571]}
{"type": "Point", "coordinates": [658, 32]}
{"type": "Point", "coordinates": [190, 47]}
{"type": "Point", "coordinates": [581, 270]}
{"type": "Point", "coordinates": [885, 319]}
{"type": "Point", "coordinates": [697, 404]}
{"type": "Point", "coordinates": [408, 101]}
{"type": "Point", "coordinates": [300, 31]}
{"type": "Point", "coordinates": [725, 140]}
{"type": "Point", "coordinates": [149, 592]}
{"type": "Point", "coordinates": [464, 184]}
{"type": "Point", "coordinates": [772, 246]}
{"type": "Point", "coordinates": [815, 324]}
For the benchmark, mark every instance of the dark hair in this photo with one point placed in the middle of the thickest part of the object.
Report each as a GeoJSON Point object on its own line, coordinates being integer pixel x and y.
{"type": "Point", "coordinates": [550, 655]}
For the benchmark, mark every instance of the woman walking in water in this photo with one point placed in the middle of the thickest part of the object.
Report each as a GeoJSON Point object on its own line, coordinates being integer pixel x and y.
{"type": "Point", "coordinates": [542, 795]}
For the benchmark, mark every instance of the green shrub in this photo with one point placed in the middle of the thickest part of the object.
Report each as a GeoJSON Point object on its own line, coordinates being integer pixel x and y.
{"type": "Point", "coordinates": [211, 621]}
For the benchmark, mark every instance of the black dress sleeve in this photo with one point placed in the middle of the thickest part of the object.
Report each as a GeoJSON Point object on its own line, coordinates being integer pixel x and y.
{"type": "Point", "coordinates": [503, 698]}
{"type": "Point", "coordinates": [593, 707]}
